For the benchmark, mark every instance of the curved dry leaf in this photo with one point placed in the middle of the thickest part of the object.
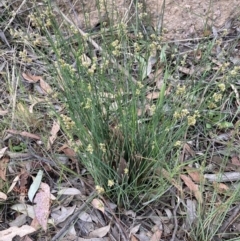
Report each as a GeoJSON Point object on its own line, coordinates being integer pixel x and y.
{"type": "Point", "coordinates": [3, 167]}
{"type": "Point", "coordinates": [10, 233]}
{"type": "Point", "coordinates": [85, 217]}
{"type": "Point", "coordinates": [191, 213]}
{"type": "Point", "coordinates": [35, 224]}
{"type": "Point", "coordinates": [153, 95]}
{"type": "Point", "coordinates": [53, 197]}
{"type": "Point", "coordinates": [156, 236]}
{"type": "Point", "coordinates": [63, 147]}
{"type": "Point", "coordinates": [135, 229]}
{"type": "Point", "coordinates": [235, 160]}
{"type": "Point", "coordinates": [220, 187]}
{"type": "Point", "coordinates": [169, 216]}
{"type": "Point", "coordinates": [65, 213]}
{"type": "Point", "coordinates": [111, 205]}
{"type": "Point", "coordinates": [146, 67]}
{"type": "Point", "coordinates": [24, 133]}
{"type": "Point", "coordinates": [3, 196]}
{"type": "Point", "coordinates": [53, 134]}
{"type": "Point", "coordinates": [188, 149]}
{"type": "Point", "coordinates": [133, 238]}
{"type": "Point", "coordinates": [198, 54]}
{"type": "Point", "coordinates": [2, 151]}
{"type": "Point", "coordinates": [168, 176]}
{"type": "Point", "coordinates": [25, 209]}
{"type": "Point", "coordinates": [19, 221]}
{"type": "Point", "coordinates": [130, 213]}
{"type": "Point", "coordinates": [29, 135]}
{"type": "Point", "coordinates": [31, 78]}
{"type": "Point", "coordinates": [70, 153]}
{"type": "Point", "coordinates": [185, 70]}
{"type": "Point", "coordinates": [98, 204]}
{"type": "Point", "coordinates": [142, 65]}
{"type": "Point", "coordinates": [35, 185]}
{"type": "Point", "coordinates": [151, 61]}
{"type": "Point", "coordinates": [34, 100]}
{"type": "Point", "coordinates": [69, 191]}
{"type": "Point", "coordinates": [43, 201]}
{"type": "Point", "coordinates": [15, 180]}
{"type": "Point", "coordinates": [45, 87]}
{"type": "Point", "coordinates": [195, 174]}
{"type": "Point", "coordinates": [192, 186]}
{"type": "Point", "coordinates": [100, 232]}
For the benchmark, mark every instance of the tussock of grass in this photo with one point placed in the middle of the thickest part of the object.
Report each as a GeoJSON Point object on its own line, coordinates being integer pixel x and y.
{"type": "Point", "coordinates": [119, 143]}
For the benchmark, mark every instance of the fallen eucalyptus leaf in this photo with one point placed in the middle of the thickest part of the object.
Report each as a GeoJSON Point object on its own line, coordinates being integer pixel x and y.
{"type": "Point", "coordinates": [35, 185]}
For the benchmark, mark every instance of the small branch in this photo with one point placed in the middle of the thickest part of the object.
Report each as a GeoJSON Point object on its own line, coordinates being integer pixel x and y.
{"type": "Point", "coordinates": [230, 220]}
{"type": "Point", "coordinates": [117, 223]}
{"type": "Point", "coordinates": [40, 158]}
{"type": "Point", "coordinates": [73, 218]}
{"type": "Point", "coordinates": [175, 220]}
{"type": "Point", "coordinates": [223, 177]}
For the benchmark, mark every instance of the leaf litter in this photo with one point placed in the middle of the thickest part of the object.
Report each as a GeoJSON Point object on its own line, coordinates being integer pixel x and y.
{"type": "Point", "coordinates": [43, 203]}
{"type": "Point", "coordinates": [35, 185]}
{"type": "Point", "coordinates": [153, 223]}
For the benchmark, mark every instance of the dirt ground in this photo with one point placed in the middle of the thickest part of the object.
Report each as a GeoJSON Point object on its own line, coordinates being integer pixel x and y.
{"type": "Point", "coordinates": [188, 18]}
{"type": "Point", "coordinates": [182, 18]}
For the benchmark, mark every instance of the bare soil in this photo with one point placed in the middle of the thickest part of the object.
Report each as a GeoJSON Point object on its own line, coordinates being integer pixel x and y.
{"type": "Point", "coordinates": [181, 19]}
{"type": "Point", "coordinates": [191, 18]}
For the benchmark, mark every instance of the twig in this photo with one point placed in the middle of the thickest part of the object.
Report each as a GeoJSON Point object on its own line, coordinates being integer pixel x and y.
{"type": "Point", "coordinates": [231, 219]}
{"type": "Point", "coordinates": [14, 15]}
{"type": "Point", "coordinates": [19, 156]}
{"type": "Point", "coordinates": [119, 226]}
{"type": "Point", "coordinates": [73, 218]}
{"type": "Point", "coordinates": [223, 177]}
{"type": "Point", "coordinates": [96, 46]}
{"type": "Point", "coordinates": [175, 220]}
{"type": "Point", "coordinates": [43, 159]}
